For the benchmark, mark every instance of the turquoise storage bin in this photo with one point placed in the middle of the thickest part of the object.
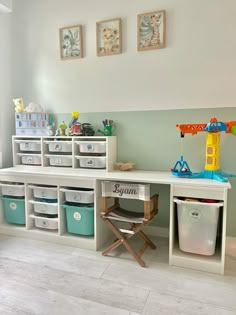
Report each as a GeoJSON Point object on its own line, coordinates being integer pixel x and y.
{"type": "Point", "coordinates": [79, 218]}
{"type": "Point", "coordinates": [14, 210]}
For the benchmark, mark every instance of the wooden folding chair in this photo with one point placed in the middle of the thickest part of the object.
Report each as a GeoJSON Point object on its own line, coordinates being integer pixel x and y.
{"type": "Point", "coordinates": [114, 214]}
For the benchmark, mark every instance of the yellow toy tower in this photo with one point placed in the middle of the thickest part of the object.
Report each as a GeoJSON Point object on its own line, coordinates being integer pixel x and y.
{"type": "Point", "coordinates": [212, 151]}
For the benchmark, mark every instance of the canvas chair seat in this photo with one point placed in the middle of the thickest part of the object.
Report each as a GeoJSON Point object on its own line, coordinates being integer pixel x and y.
{"type": "Point", "coordinates": [112, 214]}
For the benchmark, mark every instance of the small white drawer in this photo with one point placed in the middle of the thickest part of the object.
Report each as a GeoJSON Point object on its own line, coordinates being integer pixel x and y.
{"type": "Point", "coordinates": [92, 146]}
{"type": "Point", "coordinates": [92, 161]}
{"type": "Point", "coordinates": [44, 207]}
{"type": "Point", "coordinates": [46, 223]}
{"type": "Point", "coordinates": [29, 145]}
{"type": "Point", "coordinates": [13, 189]}
{"type": "Point", "coordinates": [59, 146]}
{"type": "Point", "coordinates": [44, 192]}
{"type": "Point", "coordinates": [59, 160]}
{"type": "Point", "coordinates": [30, 159]}
{"type": "Point", "coordinates": [79, 195]}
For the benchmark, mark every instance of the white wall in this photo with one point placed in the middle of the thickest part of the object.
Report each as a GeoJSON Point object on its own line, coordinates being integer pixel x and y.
{"type": "Point", "coordinates": [196, 69]}
{"type": "Point", "coordinates": [5, 5]}
{"type": "Point", "coordinates": [7, 109]}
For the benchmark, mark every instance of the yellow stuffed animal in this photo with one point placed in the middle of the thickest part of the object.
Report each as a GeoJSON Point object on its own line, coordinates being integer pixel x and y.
{"type": "Point", "coordinates": [19, 105]}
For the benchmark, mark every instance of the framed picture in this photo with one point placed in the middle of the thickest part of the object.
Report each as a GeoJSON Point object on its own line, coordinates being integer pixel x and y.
{"type": "Point", "coordinates": [71, 42]}
{"type": "Point", "coordinates": [151, 29]}
{"type": "Point", "coordinates": [109, 37]}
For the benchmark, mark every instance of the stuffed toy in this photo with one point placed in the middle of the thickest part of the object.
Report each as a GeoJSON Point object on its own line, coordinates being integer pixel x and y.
{"type": "Point", "coordinates": [34, 108]}
{"type": "Point", "coordinates": [19, 105]}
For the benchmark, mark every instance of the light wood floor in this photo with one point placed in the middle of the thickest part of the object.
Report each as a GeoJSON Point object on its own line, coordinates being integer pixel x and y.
{"type": "Point", "coordinates": [44, 278]}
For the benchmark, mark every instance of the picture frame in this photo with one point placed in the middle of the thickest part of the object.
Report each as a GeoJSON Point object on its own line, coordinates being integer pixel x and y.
{"type": "Point", "coordinates": [109, 37]}
{"type": "Point", "coordinates": [151, 30]}
{"type": "Point", "coordinates": [71, 42]}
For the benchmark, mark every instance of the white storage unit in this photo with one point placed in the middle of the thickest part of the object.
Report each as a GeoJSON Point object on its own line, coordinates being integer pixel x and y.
{"type": "Point", "coordinates": [13, 189]}
{"type": "Point", "coordinates": [89, 152]}
{"type": "Point", "coordinates": [92, 162]}
{"type": "Point", "coordinates": [197, 226]}
{"type": "Point", "coordinates": [80, 195]}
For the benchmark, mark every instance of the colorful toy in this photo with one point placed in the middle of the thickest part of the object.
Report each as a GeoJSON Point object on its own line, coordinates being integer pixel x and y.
{"type": "Point", "coordinates": [108, 127]}
{"type": "Point", "coordinates": [19, 105]}
{"type": "Point", "coordinates": [212, 165]}
{"type": "Point", "coordinates": [63, 127]}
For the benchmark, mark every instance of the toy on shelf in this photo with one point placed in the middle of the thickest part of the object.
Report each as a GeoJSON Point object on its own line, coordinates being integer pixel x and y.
{"type": "Point", "coordinates": [108, 127]}
{"type": "Point", "coordinates": [19, 105]}
{"type": "Point", "coordinates": [78, 129]}
{"type": "Point", "coordinates": [50, 127]}
{"type": "Point", "coordinates": [63, 127]}
{"type": "Point", "coordinates": [212, 165]}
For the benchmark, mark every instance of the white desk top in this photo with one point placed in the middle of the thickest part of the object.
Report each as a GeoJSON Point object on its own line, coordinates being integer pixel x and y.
{"type": "Point", "coordinates": [153, 177]}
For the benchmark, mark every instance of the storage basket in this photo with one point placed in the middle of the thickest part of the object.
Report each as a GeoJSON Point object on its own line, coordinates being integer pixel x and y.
{"type": "Point", "coordinates": [79, 219]}
{"type": "Point", "coordinates": [44, 192]}
{"type": "Point", "coordinates": [13, 189]}
{"type": "Point", "coordinates": [30, 159]}
{"type": "Point", "coordinates": [44, 207]}
{"type": "Point", "coordinates": [29, 145]}
{"type": "Point", "coordinates": [197, 226]}
{"type": "Point", "coordinates": [92, 146]}
{"type": "Point", "coordinates": [92, 162]}
{"type": "Point", "coordinates": [14, 210]}
{"type": "Point", "coordinates": [46, 223]}
{"type": "Point", "coordinates": [79, 195]}
{"type": "Point", "coordinates": [59, 160]}
{"type": "Point", "coordinates": [59, 146]}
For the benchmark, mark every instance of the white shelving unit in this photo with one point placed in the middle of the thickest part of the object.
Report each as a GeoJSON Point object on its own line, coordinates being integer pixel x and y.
{"type": "Point", "coordinates": [92, 152]}
{"type": "Point", "coordinates": [214, 263]}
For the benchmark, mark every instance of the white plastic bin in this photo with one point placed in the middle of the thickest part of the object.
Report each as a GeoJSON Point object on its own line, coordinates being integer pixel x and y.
{"type": "Point", "coordinates": [92, 146]}
{"type": "Point", "coordinates": [46, 223]}
{"type": "Point", "coordinates": [44, 192]}
{"type": "Point", "coordinates": [92, 162]}
{"type": "Point", "coordinates": [44, 207]}
{"type": "Point", "coordinates": [60, 160]}
{"type": "Point", "coordinates": [13, 189]}
{"type": "Point", "coordinates": [59, 146]}
{"type": "Point", "coordinates": [197, 226]}
{"type": "Point", "coordinates": [30, 159]}
{"type": "Point", "coordinates": [79, 195]}
{"type": "Point", "coordinates": [29, 145]}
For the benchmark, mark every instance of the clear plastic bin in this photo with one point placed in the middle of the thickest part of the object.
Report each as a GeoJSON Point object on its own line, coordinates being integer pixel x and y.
{"type": "Point", "coordinates": [197, 226]}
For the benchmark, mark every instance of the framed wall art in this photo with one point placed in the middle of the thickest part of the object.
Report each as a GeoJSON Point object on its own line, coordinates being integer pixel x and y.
{"type": "Point", "coordinates": [109, 37]}
{"type": "Point", "coordinates": [71, 42]}
{"type": "Point", "coordinates": [151, 30]}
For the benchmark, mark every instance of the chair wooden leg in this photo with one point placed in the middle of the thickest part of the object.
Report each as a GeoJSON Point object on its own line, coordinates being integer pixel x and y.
{"type": "Point", "coordinates": [147, 240]}
{"type": "Point", "coordinates": [122, 240]}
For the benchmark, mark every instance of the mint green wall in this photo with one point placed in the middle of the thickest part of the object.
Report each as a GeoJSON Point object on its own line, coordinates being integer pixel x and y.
{"type": "Point", "coordinates": [152, 141]}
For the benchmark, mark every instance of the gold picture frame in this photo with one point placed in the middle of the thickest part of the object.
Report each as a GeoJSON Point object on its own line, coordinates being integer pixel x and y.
{"type": "Point", "coordinates": [71, 42]}
{"type": "Point", "coordinates": [151, 30]}
{"type": "Point", "coordinates": [109, 37]}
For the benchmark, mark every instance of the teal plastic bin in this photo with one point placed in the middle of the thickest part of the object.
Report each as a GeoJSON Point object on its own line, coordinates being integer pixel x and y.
{"type": "Point", "coordinates": [14, 210]}
{"type": "Point", "coordinates": [79, 218]}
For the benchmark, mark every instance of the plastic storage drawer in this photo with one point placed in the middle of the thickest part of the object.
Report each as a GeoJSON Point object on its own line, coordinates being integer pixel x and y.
{"type": "Point", "coordinates": [44, 192]}
{"type": "Point", "coordinates": [30, 159]}
{"type": "Point", "coordinates": [29, 145]}
{"type": "Point", "coordinates": [197, 226]}
{"type": "Point", "coordinates": [44, 207]}
{"type": "Point", "coordinates": [80, 195]}
{"type": "Point", "coordinates": [14, 210]}
{"type": "Point", "coordinates": [92, 146]}
{"type": "Point", "coordinates": [79, 219]}
{"type": "Point", "coordinates": [59, 160]}
{"type": "Point", "coordinates": [13, 189]}
{"type": "Point", "coordinates": [59, 146]}
{"type": "Point", "coordinates": [92, 162]}
{"type": "Point", "coordinates": [46, 223]}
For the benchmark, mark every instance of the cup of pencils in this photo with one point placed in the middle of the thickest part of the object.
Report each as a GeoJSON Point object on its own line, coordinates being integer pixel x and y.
{"type": "Point", "coordinates": [108, 127]}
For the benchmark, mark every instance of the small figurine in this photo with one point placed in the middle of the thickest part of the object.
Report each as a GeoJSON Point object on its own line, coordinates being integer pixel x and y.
{"type": "Point", "coordinates": [63, 127]}
{"type": "Point", "coordinates": [19, 105]}
{"type": "Point", "coordinates": [50, 127]}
